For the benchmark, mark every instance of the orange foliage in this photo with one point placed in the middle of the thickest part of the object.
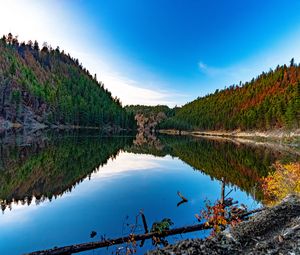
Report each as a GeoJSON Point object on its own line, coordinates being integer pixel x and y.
{"type": "Point", "coordinates": [218, 215]}
{"type": "Point", "coordinates": [285, 180]}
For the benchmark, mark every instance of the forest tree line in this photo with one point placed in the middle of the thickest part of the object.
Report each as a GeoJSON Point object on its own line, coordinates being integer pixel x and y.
{"type": "Point", "coordinates": [270, 101]}
{"type": "Point", "coordinates": [55, 87]}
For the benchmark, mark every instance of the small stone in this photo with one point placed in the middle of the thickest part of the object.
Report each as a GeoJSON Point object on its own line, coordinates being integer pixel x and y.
{"type": "Point", "coordinates": [280, 238]}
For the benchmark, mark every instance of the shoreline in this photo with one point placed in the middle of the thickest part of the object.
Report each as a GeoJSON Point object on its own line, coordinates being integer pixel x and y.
{"type": "Point", "coordinates": [288, 142]}
{"type": "Point", "coordinates": [7, 125]}
{"type": "Point", "coordinates": [255, 134]}
{"type": "Point", "coordinates": [275, 230]}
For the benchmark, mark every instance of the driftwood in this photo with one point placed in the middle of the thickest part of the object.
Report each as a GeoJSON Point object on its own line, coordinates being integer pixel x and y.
{"type": "Point", "coordinates": [246, 214]}
{"type": "Point", "coordinates": [181, 196]}
{"type": "Point", "coordinates": [183, 199]}
{"type": "Point", "coordinates": [144, 222]}
{"type": "Point", "coordinates": [145, 227]}
{"type": "Point", "coordinates": [67, 250]}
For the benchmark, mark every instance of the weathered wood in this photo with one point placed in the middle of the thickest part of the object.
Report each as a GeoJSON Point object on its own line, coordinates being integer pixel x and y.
{"type": "Point", "coordinates": [181, 196]}
{"type": "Point", "coordinates": [183, 199]}
{"type": "Point", "coordinates": [248, 213]}
{"type": "Point", "coordinates": [223, 191]}
{"type": "Point", "coordinates": [145, 227]}
{"type": "Point", "coordinates": [144, 222]}
{"type": "Point", "coordinates": [181, 202]}
{"type": "Point", "coordinates": [67, 250]}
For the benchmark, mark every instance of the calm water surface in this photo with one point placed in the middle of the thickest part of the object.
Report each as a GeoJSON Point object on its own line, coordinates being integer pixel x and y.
{"type": "Point", "coordinates": [55, 191]}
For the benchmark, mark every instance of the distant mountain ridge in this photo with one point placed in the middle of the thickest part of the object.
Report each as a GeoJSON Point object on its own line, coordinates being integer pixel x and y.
{"type": "Point", "coordinates": [270, 101]}
{"type": "Point", "coordinates": [46, 86]}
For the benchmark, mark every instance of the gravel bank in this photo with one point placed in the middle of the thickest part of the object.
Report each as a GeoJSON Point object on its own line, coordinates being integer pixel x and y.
{"type": "Point", "coordinates": [275, 230]}
{"type": "Point", "coordinates": [272, 134]}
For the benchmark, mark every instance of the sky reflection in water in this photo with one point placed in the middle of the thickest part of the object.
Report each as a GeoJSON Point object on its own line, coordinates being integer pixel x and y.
{"type": "Point", "coordinates": [117, 190]}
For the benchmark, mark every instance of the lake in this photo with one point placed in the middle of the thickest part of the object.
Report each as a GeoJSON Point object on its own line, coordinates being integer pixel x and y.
{"type": "Point", "coordinates": [56, 188]}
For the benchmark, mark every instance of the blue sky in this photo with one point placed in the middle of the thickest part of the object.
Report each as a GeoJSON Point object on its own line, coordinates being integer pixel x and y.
{"type": "Point", "coordinates": [166, 51]}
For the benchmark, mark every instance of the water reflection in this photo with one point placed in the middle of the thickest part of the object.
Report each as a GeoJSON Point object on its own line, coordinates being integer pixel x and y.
{"type": "Point", "coordinates": [241, 164]}
{"type": "Point", "coordinates": [44, 167]}
{"type": "Point", "coordinates": [118, 176]}
{"type": "Point", "coordinates": [47, 167]}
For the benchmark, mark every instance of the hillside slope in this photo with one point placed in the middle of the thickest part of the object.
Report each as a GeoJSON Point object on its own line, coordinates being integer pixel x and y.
{"type": "Point", "coordinates": [270, 101]}
{"type": "Point", "coordinates": [48, 86]}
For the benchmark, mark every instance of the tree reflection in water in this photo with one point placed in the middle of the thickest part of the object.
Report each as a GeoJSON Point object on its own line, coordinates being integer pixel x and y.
{"type": "Point", "coordinates": [45, 167]}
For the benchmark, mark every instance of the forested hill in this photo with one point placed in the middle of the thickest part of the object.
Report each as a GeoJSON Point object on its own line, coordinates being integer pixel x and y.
{"type": "Point", "coordinates": [270, 101]}
{"type": "Point", "coordinates": [39, 84]}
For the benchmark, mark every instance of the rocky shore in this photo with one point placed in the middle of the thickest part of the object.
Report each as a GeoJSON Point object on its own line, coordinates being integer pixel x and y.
{"type": "Point", "coordinates": [272, 134]}
{"type": "Point", "coordinates": [275, 230]}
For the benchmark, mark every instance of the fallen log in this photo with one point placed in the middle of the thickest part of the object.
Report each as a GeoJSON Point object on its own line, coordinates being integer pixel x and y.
{"type": "Point", "coordinates": [67, 250]}
{"type": "Point", "coordinates": [248, 213]}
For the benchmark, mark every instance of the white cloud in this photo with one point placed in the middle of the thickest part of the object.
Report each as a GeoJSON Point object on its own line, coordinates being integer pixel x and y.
{"type": "Point", "coordinates": [49, 21]}
{"type": "Point", "coordinates": [277, 54]}
{"type": "Point", "coordinates": [202, 66]}
{"type": "Point", "coordinates": [233, 73]}
{"type": "Point", "coordinates": [211, 71]}
{"type": "Point", "coordinates": [129, 90]}
{"type": "Point", "coordinates": [130, 93]}
{"type": "Point", "coordinates": [38, 20]}
{"type": "Point", "coordinates": [20, 213]}
{"type": "Point", "coordinates": [128, 162]}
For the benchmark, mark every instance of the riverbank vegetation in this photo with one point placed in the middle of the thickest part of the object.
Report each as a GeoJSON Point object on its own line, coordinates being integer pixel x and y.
{"type": "Point", "coordinates": [283, 180]}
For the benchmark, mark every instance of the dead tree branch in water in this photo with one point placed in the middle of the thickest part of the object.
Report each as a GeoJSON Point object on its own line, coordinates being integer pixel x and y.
{"type": "Point", "coordinates": [67, 250]}
{"type": "Point", "coordinates": [183, 199]}
{"type": "Point", "coordinates": [145, 227]}
{"type": "Point", "coordinates": [181, 196]}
